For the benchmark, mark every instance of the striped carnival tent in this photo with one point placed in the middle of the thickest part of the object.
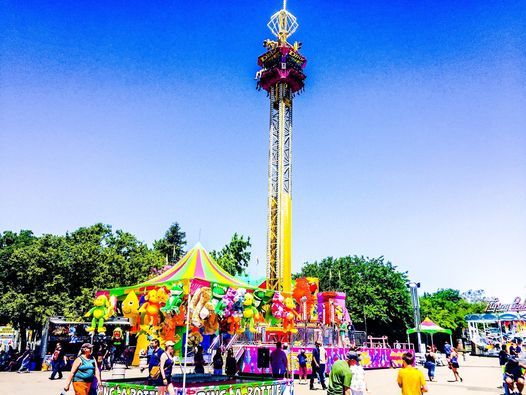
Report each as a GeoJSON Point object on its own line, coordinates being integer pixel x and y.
{"type": "Point", "coordinates": [429, 327]}
{"type": "Point", "coordinates": [197, 266]}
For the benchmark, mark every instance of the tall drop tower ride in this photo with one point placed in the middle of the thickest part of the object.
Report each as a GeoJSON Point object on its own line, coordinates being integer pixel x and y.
{"type": "Point", "coordinates": [282, 76]}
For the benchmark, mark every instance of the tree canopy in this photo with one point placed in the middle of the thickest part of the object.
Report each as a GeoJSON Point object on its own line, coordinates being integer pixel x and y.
{"type": "Point", "coordinates": [235, 256]}
{"type": "Point", "coordinates": [377, 295]}
{"type": "Point", "coordinates": [59, 275]}
{"type": "Point", "coordinates": [448, 307]}
{"type": "Point", "coordinates": [172, 245]}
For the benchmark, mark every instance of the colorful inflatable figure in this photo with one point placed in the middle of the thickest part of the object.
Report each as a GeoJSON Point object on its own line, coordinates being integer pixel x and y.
{"type": "Point", "coordinates": [278, 306]}
{"type": "Point", "coordinates": [101, 311]}
{"type": "Point", "coordinates": [250, 314]}
{"type": "Point", "coordinates": [198, 303]}
{"type": "Point", "coordinates": [151, 307]}
{"type": "Point", "coordinates": [225, 307]}
{"type": "Point", "coordinates": [290, 316]}
{"type": "Point", "coordinates": [130, 310]}
{"type": "Point", "coordinates": [262, 300]}
{"type": "Point", "coordinates": [175, 300]}
{"type": "Point", "coordinates": [218, 293]}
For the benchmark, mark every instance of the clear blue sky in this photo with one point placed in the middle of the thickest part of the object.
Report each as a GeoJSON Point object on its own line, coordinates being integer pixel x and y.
{"type": "Point", "coordinates": [409, 142]}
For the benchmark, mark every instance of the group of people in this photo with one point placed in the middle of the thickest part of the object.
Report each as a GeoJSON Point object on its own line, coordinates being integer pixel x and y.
{"type": "Point", "coordinates": [512, 367]}
{"type": "Point", "coordinates": [342, 375]}
{"type": "Point", "coordinates": [160, 364]}
{"type": "Point", "coordinates": [10, 360]}
{"type": "Point", "coordinates": [452, 357]}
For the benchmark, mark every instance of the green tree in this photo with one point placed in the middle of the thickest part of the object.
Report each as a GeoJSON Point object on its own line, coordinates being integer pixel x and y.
{"type": "Point", "coordinates": [59, 275]}
{"type": "Point", "coordinates": [172, 245]}
{"type": "Point", "coordinates": [235, 256]}
{"type": "Point", "coordinates": [36, 276]}
{"type": "Point", "coordinates": [447, 308]}
{"type": "Point", "coordinates": [376, 293]}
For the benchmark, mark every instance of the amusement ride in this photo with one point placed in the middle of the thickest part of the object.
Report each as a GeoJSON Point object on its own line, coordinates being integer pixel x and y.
{"type": "Point", "coordinates": [195, 302]}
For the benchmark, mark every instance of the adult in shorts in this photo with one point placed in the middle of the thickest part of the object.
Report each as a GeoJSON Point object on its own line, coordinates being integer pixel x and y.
{"type": "Point", "coordinates": [513, 374]}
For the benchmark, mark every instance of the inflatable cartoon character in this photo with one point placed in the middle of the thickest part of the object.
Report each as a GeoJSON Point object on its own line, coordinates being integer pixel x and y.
{"type": "Point", "coordinates": [130, 310]}
{"type": "Point", "coordinates": [218, 293]}
{"type": "Point", "coordinates": [211, 321]}
{"type": "Point", "coordinates": [290, 316]}
{"type": "Point", "coordinates": [278, 305]}
{"type": "Point", "coordinates": [250, 314]}
{"type": "Point", "coordinates": [194, 338]}
{"type": "Point", "coordinates": [175, 300]}
{"type": "Point", "coordinates": [101, 311]}
{"type": "Point", "coordinates": [225, 307]}
{"type": "Point", "coordinates": [151, 307]}
{"type": "Point", "coordinates": [200, 298]}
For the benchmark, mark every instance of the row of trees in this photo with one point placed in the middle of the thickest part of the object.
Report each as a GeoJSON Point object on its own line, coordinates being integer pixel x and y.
{"type": "Point", "coordinates": [55, 275]}
{"type": "Point", "coordinates": [58, 275]}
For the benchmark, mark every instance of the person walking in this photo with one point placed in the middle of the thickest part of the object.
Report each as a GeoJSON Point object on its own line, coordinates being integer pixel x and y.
{"type": "Point", "coordinates": [302, 362]}
{"type": "Point", "coordinates": [358, 383]}
{"type": "Point", "coordinates": [154, 363]}
{"type": "Point", "coordinates": [453, 364]}
{"type": "Point", "coordinates": [410, 380]}
{"type": "Point", "coordinates": [199, 360]}
{"type": "Point", "coordinates": [83, 371]}
{"type": "Point", "coordinates": [25, 361]}
{"type": "Point", "coordinates": [340, 377]}
{"type": "Point", "coordinates": [319, 359]}
{"type": "Point", "coordinates": [217, 362]}
{"type": "Point", "coordinates": [166, 365]}
{"type": "Point", "coordinates": [278, 362]}
{"type": "Point", "coordinates": [430, 363]}
{"type": "Point", "coordinates": [58, 362]}
{"type": "Point", "coordinates": [231, 363]}
{"type": "Point", "coordinates": [447, 349]}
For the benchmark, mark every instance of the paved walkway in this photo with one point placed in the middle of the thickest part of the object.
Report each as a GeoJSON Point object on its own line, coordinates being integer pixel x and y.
{"type": "Point", "coordinates": [481, 376]}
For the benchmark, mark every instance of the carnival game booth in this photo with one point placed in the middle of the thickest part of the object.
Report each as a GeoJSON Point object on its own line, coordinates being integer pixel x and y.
{"type": "Point", "coordinates": [430, 328]}
{"type": "Point", "coordinates": [184, 304]}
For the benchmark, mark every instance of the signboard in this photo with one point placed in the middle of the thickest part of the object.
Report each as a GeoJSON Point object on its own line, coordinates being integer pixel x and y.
{"type": "Point", "coordinates": [371, 358]}
{"type": "Point", "coordinates": [243, 387]}
{"type": "Point", "coordinates": [494, 306]}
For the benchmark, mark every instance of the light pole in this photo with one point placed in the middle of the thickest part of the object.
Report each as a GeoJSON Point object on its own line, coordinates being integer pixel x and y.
{"type": "Point", "coordinates": [413, 287]}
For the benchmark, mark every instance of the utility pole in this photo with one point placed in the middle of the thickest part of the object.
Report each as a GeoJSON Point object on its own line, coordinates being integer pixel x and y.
{"type": "Point", "coordinates": [413, 287]}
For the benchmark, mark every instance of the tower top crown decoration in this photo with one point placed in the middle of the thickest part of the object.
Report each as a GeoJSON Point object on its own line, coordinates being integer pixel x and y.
{"type": "Point", "coordinates": [283, 24]}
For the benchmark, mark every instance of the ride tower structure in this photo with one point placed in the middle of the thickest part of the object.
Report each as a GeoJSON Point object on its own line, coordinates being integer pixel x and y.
{"type": "Point", "coordinates": [281, 75]}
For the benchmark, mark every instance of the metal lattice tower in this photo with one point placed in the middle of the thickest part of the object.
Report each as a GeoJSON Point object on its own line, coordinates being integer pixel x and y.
{"type": "Point", "coordinates": [281, 75]}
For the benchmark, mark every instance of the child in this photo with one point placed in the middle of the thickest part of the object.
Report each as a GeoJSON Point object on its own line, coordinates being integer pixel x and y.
{"type": "Point", "coordinates": [358, 384]}
{"type": "Point", "coordinates": [302, 362]}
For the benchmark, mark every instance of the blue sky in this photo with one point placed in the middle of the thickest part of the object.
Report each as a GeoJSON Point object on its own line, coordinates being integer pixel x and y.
{"type": "Point", "coordinates": [409, 142]}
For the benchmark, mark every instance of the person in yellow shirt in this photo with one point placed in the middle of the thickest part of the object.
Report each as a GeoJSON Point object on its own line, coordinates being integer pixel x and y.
{"type": "Point", "coordinates": [410, 379]}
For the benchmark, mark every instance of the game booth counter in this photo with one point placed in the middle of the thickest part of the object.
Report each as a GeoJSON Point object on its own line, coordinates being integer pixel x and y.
{"type": "Point", "coordinates": [202, 384]}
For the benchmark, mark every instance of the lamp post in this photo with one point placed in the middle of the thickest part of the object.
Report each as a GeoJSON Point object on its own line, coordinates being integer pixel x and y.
{"type": "Point", "coordinates": [413, 287]}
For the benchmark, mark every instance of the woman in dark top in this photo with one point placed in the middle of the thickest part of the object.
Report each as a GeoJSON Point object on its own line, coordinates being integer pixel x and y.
{"type": "Point", "coordinates": [231, 363]}
{"type": "Point", "coordinates": [453, 364]}
{"type": "Point", "coordinates": [199, 360]}
{"type": "Point", "coordinates": [218, 362]}
{"type": "Point", "coordinates": [167, 363]}
{"type": "Point", "coordinates": [430, 363]}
